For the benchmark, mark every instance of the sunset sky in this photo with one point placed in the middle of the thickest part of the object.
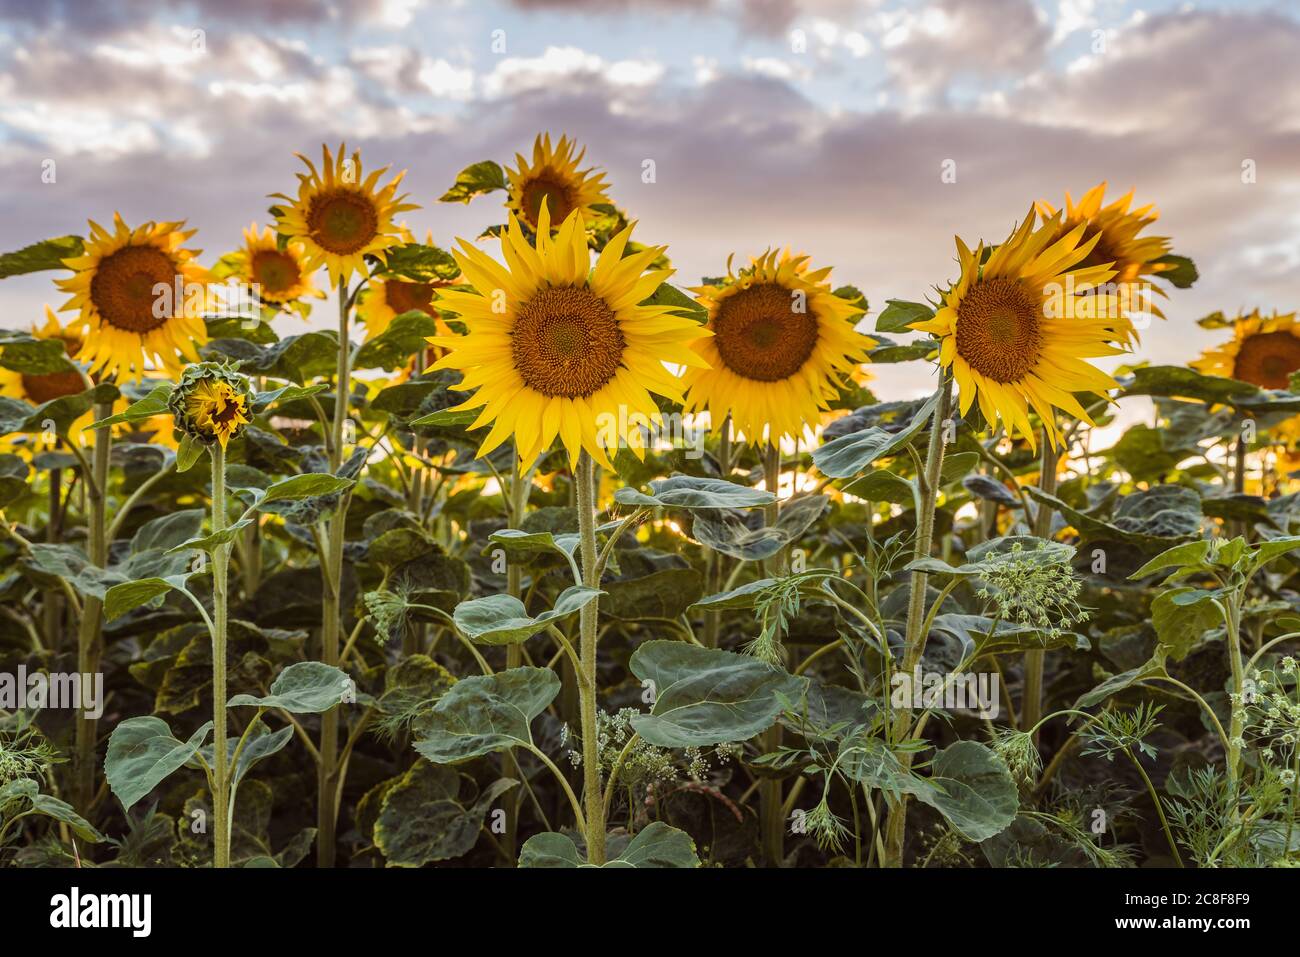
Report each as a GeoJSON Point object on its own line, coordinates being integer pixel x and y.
{"type": "Point", "coordinates": [819, 125]}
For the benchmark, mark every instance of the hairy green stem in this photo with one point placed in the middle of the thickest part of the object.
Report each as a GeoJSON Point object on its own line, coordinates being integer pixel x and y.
{"type": "Point", "coordinates": [220, 599]}
{"type": "Point", "coordinates": [332, 573]}
{"type": "Point", "coordinates": [915, 637]}
{"type": "Point", "coordinates": [592, 794]}
{"type": "Point", "coordinates": [770, 801]}
{"type": "Point", "coordinates": [1031, 705]}
{"type": "Point", "coordinates": [89, 632]}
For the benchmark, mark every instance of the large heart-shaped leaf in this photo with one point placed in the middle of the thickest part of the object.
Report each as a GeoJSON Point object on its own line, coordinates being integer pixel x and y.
{"type": "Point", "coordinates": [142, 752]}
{"type": "Point", "coordinates": [657, 845]}
{"type": "Point", "coordinates": [687, 491]}
{"type": "Point", "coordinates": [706, 696]}
{"type": "Point", "coordinates": [425, 819]}
{"type": "Point", "coordinates": [308, 687]}
{"type": "Point", "coordinates": [486, 713]}
{"type": "Point", "coordinates": [503, 620]}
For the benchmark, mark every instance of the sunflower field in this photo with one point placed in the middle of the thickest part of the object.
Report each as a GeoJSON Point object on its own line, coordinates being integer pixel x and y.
{"type": "Point", "coordinates": [351, 549]}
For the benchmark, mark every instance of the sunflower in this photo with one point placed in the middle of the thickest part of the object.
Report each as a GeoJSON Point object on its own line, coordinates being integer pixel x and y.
{"type": "Point", "coordinates": [1013, 341]}
{"type": "Point", "coordinates": [211, 403]}
{"type": "Point", "coordinates": [38, 388]}
{"type": "Point", "coordinates": [1116, 227]}
{"type": "Point", "coordinates": [114, 287]}
{"type": "Point", "coordinates": [557, 348]}
{"type": "Point", "coordinates": [341, 218]}
{"type": "Point", "coordinates": [1262, 351]}
{"type": "Point", "coordinates": [386, 299]}
{"type": "Point", "coordinates": [281, 275]}
{"type": "Point", "coordinates": [554, 177]}
{"type": "Point", "coordinates": [783, 344]}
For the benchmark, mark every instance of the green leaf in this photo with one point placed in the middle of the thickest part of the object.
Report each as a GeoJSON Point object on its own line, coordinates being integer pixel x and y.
{"type": "Point", "coordinates": [503, 620]}
{"type": "Point", "coordinates": [1118, 682]}
{"type": "Point", "coordinates": [657, 845]}
{"type": "Point", "coordinates": [522, 546]}
{"type": "Point", "coordinates": [307, 485]}
{"type": "Point", "coordinates": [142, 752]}
{"type": "Point", "coordinates": [725, 532]}
{"type": "Point", "coordinates": [1180, 617]}
{"type": "Point", "coordinates": [899, 314]}
{"type": "Point", "coordinates": [52, 807]}
{"type": "Point", "coordinates": [209, 543]}
{"type": "Point", "coordinates": [851, 454]}
{"type": "Point", "coordinates": [424, 818]}
{"type": "Point", "coordinates": [22, 352]}
{"type": "Point", "coordinates": [686, 491]}
{"type": "Point", "coordinates": [188, 453]}
{"type": "Point", "coordinates": [1179, 381]}
{"type": "Point", "coordinates": [38, 257]}
{"type": "Point", "coordinates": [447, 417]}
{"type": "Point", "coordinates": [1188, 553]}
{"type": "Point", "coordinates": [882, 485]}
{"type": "Point", "coordinates": [1182, 272]}
{"type": "Point", "coordinates": [973, 789]}
{"type": "Point", "coordinates": [307, 687]}
{"type": "Point", "coordinates": [393, 348]}
{"type": "Point", "coordinates": [482, 177]}
{"type": "Point", "coordinates": [284, 395]}
{"type": "Point", "coordinates": [486, 713]}
{"type": "Point", "coordinates": [120, 599]}
{"type": "Point", "coordinates": [418, 262]}
{"type": "Point", "coordinates": [1266, 551]}
{"type": "Point", "coordinates": [706, 696]}
{"type": "Point", "coordinates": [155, 403]}
{"type": "Point", "coordinates": [669, 295]}
{"type": "Point", "coordinates": [662, 595]}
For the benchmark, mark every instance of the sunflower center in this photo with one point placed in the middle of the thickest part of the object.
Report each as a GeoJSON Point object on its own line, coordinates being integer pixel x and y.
{"type": "Point", "coordinates": [999, 330]}
{"type": "Point", "coordinates": [342, 222]}
{"type": "Point", "coordinates": [557, 193]}
{"type": "Point", "coordinates": [123, 287]}
{"type": "Point", "coordinates": [275, 271]}
{"type": "Point", "coordinates": [405, 296]}
{"type": "Point", "coordinates": [566, 342]}
{"type": "Point", "coordinates": [1268, 359]}
{"type": "Point", "coordinates": [760, 334]}
{"type": "Point", "coordinates": [52, 385]}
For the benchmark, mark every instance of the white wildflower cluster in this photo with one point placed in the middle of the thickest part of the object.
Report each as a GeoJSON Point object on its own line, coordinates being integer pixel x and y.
{"type": "Point", "coordinates": [644, 763]}
{"type": "Point", "coordinates": [1272, 720]}
{"type": "Point", "coordinates": [1033, 588]}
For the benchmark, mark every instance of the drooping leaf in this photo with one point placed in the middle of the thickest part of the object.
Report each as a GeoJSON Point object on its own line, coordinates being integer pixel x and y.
{"type": "Point", "coordinates": [142, 752]}
{"type": "Point", "coordinates": [305, 687]}
{"type": "Point", "coordinates": [486, 713]}
{"type": "Point", "coordinates": [503, 620]}
{"type": "Point", "coordinates": [707, 696]}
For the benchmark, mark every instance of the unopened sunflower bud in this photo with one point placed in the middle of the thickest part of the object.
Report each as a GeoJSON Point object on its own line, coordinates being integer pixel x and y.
{"type": "Point", "coordinates": [212, 403]}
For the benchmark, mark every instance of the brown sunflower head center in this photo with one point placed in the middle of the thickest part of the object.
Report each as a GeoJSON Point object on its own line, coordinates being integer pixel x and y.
{"type": "Point", "coordinates": [405, 296]}
{"type": "Point", "coordinates": [566, 342]}
{"type": "Point", "coordinates": [122, 288]}
{"type": "Point", "coordinates": [559, 196]}
{"type": "Point", "coordinates": [764, 332]}
{"type": "Point", "coordinates": [999, 329]}
{"type": "Point", "coordinates": [52, 385]}
{"type": "Point", "coordinates": [342, 222]}
{"type": "Point", "coordinates": [275, 271]}
{"type": "Point", "coordinates": [1267, 359]}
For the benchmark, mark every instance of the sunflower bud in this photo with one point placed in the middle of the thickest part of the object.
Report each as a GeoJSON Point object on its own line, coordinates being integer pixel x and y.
{"type": "Point", "coordinates": [212, 403]}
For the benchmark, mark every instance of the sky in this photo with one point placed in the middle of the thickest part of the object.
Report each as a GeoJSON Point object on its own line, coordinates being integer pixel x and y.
{"type": "Point", "coordinates": [823, 125]}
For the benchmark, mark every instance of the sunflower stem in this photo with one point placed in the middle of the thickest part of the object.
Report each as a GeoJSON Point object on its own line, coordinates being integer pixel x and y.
{"type": "Point", "coordinates": [332, 572]}
{"type": "Point", "coordinates": [89, 633]}
{"type": "Point", "coordinates": [220, 601]}
{"type": "Point", "coordinates": [592, 794]}
{"type": "Point", "coordinates": [770, 799]}
{"type": "Point", "coordinates": [1031, 707]}
{"type": "Point", "coordinates": [915, 637]}
{"type": "Point", "coordinates": [520, 482]}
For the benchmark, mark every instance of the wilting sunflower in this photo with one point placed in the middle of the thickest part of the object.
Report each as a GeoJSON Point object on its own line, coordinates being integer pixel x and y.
{"type": "Point", "coordinates": [282, 275]}
{"type": "Point", "coordinates": [1262, 351]}
{"type": "Point", "coordinates": [1116, 227]}
{"type": "Point", "coordinates": [782, 346]}
{"type": "Point", "coordinates": [341, 217]}
{"type": "Point", "coordinates": [557, 348]}
{"type": "Point", "coordinates": [1014, 340]}
{"type": "Point", "coordinates": [554, 177]}
{"type": "Point", "coordinates": [115, 288]}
